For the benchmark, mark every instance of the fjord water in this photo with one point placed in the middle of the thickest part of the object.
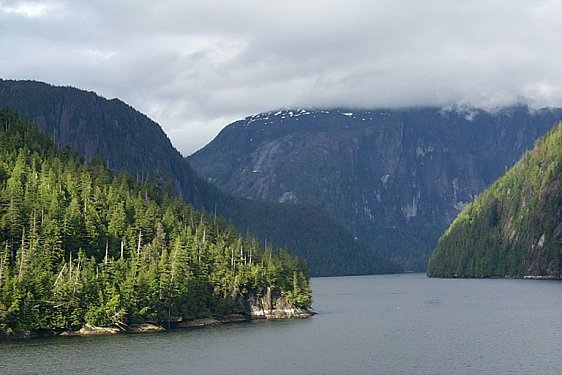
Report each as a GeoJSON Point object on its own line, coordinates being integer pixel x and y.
{"type": "Point", "coordinates": [395, 324]}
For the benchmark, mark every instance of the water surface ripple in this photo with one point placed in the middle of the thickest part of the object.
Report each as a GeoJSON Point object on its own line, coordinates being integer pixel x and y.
{"type": "Point", "coordinates": [395, 324]}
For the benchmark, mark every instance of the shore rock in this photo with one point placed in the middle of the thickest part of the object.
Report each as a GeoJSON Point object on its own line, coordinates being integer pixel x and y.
{"type": "Point", "coordinates": [89, 330]}
{"type": "Point", "coordinates": [540, 277]}
{"type": "Point", "coordinates": [262, 308]}
{"type": "Point", "coordinates": [145, 328]}
{"type": "Point", "coordinates": [235, 318]}
{"type": "Point", "coordinates": [202, 322]}
{"type": "Point", "coordinates": [256, 308]}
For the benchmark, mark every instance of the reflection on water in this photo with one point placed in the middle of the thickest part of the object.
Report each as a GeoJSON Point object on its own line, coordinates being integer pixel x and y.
{"type": "Point", "coordinates": [396, 324]}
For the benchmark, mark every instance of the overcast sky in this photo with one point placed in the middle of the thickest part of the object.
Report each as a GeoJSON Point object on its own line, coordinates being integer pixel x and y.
{"type": "Point", "coordinates": [195, 66]}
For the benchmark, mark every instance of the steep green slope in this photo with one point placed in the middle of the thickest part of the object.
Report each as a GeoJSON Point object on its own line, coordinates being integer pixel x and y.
{"type": "Point", "coordinates": [128, 140]}
{"type": "Point", "coordinates": [514, 228]}
{"type": "Point", "coordinates": [80, 245]}
{"type": "Point", "coordinates": [395, 178]}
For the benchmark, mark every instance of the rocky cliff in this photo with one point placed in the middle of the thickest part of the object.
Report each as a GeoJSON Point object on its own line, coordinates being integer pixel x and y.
{"type": "Point", "coordinates": [128, 140]}
{"type": "Point", "coordinates": [395, 178]}
{"type": "Point", "coordinates": [265, 307]}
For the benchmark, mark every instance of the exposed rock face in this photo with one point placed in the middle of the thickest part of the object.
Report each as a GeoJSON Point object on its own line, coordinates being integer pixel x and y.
{"type": "Point", "coordinates": [396, 178]}
{"type": "Point", "coordinates": [263, 307]}
{"type": "Point", "coordinates": [145, 328]}
{"type": "Point", "coordinates": [89, 330]}
{"type": "Point", "coordinates": [126, 139]}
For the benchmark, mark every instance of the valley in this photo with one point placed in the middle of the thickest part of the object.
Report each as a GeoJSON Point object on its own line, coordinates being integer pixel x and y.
{"type": "Point", "coordinates": [394, 178]}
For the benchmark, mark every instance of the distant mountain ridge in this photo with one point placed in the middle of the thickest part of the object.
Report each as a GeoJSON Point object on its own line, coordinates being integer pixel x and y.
{"type": "Point", "coordinates": [514, 228]}
{"type": "Point", "coordinates": [128, 140]}
{"type": "Point", "coordinates": [395, 178]}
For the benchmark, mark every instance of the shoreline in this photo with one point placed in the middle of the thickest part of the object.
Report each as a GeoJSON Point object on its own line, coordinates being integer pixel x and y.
{"type": "Point", "coordinates": [510, 277]}
{"type": "Point", "coordinates": [149, 327]}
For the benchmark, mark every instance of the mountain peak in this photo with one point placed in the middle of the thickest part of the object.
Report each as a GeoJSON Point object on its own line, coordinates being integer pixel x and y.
{"type": "Point", "coordinates": [395, 178]}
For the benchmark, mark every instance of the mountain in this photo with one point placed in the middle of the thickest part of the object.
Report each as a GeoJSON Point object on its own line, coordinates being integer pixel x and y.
{"type": "Point", "coordinates": [395, 178]}
{"type": "Point", "coordinates": [91, 125]}
{"type": "Point", "coordinates": [82, 246]}
{"type": "Point", "coordinates": [128, 140]}
{"type": "Point", "coordinates": [514, 228]}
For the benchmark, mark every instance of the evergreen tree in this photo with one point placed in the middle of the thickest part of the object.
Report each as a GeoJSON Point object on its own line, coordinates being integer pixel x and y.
{"type": "Point", "coordinates": [513, 228]}
{"type": "Point", "coordinates": [80, 245]}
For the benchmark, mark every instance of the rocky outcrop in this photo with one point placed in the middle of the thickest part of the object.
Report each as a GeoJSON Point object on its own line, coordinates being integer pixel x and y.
{"type": "Point", "coordinates": [88, 330]}
{"type": "Point", "coordinates": [205, 322]}
{"type": "Point", "coordinates": [200, 322]}
{"type": "Point", "coordinates": [264, 307]}
{"type": "Point", "coordinates": [145, 328]}
{"type": "Point", "coordinates": [257, 309]}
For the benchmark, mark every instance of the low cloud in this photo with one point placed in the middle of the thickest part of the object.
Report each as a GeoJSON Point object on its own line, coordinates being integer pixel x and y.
{"type": "Point", "coordinates": [196, 67]}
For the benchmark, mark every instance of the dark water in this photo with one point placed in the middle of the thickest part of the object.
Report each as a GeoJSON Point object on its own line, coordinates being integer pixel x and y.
{"type": "Point", "coordinates": [399, 324]}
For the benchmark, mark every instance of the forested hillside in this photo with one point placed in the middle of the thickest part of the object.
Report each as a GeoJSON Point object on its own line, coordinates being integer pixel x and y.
{"type": "Point", "coordinates": [395, 178]}
{"type": "Point", "coordinates": [127, 140]}
{"type": "Point", "coordinates": [514, 228]}
{"type": "Point", "coordinates": [81, 245]}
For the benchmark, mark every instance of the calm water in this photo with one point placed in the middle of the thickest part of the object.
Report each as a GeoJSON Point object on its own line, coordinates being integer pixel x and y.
{"type": "Point", "coordinates": [398, 324]}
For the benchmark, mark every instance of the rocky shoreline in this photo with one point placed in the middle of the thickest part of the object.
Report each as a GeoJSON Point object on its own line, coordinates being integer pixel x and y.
{"type": "Point", "coordinates": [261, 307]}
{"type": "Point", "coordinates": [259, 311]}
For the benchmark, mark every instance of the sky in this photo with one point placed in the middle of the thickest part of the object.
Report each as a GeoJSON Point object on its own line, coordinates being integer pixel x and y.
{"type": "Point", "coordinates": [196, 66]}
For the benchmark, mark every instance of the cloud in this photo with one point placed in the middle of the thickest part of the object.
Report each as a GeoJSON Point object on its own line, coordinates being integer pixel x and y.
{"type": "Point", "coordinates": [29, 9]}
{"type": "Point", "coordinates": [196, 66]}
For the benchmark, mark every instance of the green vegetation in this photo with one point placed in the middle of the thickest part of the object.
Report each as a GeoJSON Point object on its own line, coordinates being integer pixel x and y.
{"type": "Point", "coordinates": [129, 141]}
{"type": "Point", "coordinates": [513, 228]}
{"type": "Point", "coordinates": [394, 178]}
{"type": "Point", "coordinates": [80, 245]}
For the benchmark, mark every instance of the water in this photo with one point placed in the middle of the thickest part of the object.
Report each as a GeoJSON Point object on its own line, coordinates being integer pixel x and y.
{"type": "Point", "coordinates": [397, 324]}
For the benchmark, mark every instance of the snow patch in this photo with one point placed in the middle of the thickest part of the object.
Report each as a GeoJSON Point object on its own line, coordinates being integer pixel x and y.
{"type": "Point", "coordinates": [273, 117]}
